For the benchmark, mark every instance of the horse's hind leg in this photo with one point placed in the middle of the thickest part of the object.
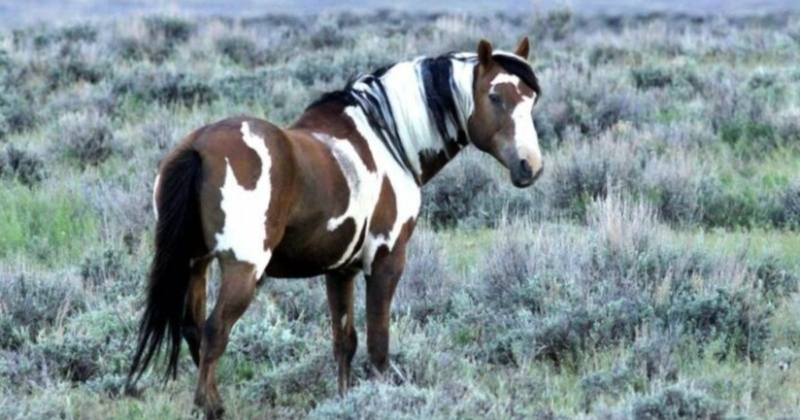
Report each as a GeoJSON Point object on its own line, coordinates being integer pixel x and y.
{"type": "Point", "coordinates": [235, 294]}
{"type": "Point", "coordinates": [340, 299]}
{"type": "Point", "coordinates": [195, 315]}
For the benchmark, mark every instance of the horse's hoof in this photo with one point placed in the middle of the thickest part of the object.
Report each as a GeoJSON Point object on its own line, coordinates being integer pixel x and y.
{"type": "Point", "coordinates": [216, 412]}
{"type": "Point", "coordinates": [199, 400]}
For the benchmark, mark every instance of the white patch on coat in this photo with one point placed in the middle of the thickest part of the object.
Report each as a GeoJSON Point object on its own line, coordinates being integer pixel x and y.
{"type": "Point", "coordinates": [504, 78]}
{"type": "Point", "coordinates": [407, 194]}
{"type": "Point", "coordinates": [364, 187]}
{"type": "Point", "coordinates": [155, 195]}
{"type": "Point", "coordinates": [245, 232]}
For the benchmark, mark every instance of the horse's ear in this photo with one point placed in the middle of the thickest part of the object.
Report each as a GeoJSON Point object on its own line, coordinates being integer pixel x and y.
{"type": "Point", "coordinates": [524, 48]}
{"type": "Point", "coordinates": [485, 54]}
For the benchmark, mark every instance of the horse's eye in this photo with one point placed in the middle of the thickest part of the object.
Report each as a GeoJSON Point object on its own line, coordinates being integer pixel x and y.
{"type": "Point", "coordinates": [496, 99]}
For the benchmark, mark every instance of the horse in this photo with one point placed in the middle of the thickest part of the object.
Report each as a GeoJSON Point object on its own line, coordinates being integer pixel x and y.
{"type": "Point", "coordinates": [335, 193]}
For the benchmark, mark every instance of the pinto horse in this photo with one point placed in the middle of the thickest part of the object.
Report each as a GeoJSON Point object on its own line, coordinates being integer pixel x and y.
{"type": "Point", "coordinates": [336, 193]}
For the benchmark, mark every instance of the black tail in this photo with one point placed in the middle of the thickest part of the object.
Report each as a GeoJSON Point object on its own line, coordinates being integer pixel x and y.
{"type": "Point", "coordinates": [178, 233]}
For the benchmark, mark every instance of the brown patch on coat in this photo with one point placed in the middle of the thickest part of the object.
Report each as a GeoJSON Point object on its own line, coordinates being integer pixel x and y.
{"type": "Point", "coordinates": [385, 213]}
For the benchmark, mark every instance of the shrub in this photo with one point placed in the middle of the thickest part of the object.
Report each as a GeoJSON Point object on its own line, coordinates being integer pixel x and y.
{"type": "Point", "coordinates": [85, 137]}
{"type": "Point", "coordinates": [606, 54]}
{"type": "Point", "coordinates": [159, 132]}
{"type": "Point", "coordinates": [298, 299]}
{"type": "Point", "coordinates": [31, 304]}
{"type": "Point", "coordinates": [79, 33]}
{"type": "Point", "coordinates": [299, 384]}
{"type": "Point", "coordinates": [734, 203]}
{"type": "Point", "coordinates": [134, 49]}
{"type": "Point", "coordinates": [73, 71]}
{"type": "Point", "coordinates": [171, 30]}
{"type": "Point", "coordinates": [97, 344]}
{"type": "Point", "coordinates": [612, 383]}
{"type": "Point", "coordinates": [773, 281]}
{"type": "Point", "coordinates": [455, 195]}
{"type": "Point", "coordinates": [373, 401]}
{"type": "Point", "coordinates": [677, 404]}
{"type": "Point", "coordinates": [584, 172]}
{"type": "Point", "coordinates": [650, 77]}
{"type": "Point", "coordinates": [326, 34]}
{"type": "Point", "coordinates": [268, 335]}
{"type": "Point", "coordinates": [97, 269]}
{"type": "Point", "coordinates": [673, 184]}
{"type": "Point", "coordinates": [240, 50]}
{"type": "Point", "coordinates": [427, 283]}
{"type": "Point", "coordinates": [737, 319]}
{"type": "Point", "coordinates": [23, 166]}
{"type": "Point", "coordinates": [17, 114]}
{"type": "Point", "coordinates": [166, 88]}
{"type": "Point", "coordinates": [788, 212]}
{"type": "Point", "coordinates": [253, 88]}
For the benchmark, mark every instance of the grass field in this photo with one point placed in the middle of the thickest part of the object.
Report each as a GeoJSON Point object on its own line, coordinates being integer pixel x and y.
{"type": "Point", "coordinates": [653, 272]}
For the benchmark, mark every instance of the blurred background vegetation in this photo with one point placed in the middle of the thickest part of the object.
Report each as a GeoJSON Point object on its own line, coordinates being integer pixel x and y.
{"type": "Point", "coordinates": [652, 273]}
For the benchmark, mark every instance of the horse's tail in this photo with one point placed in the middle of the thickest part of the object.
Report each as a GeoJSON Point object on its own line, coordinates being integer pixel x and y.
{"type": "Point", "coordinates": [178, 234]}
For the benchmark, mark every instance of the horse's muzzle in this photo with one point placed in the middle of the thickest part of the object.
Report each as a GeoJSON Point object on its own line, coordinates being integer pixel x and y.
{"type": "Point", "coordinates": [523, 176]}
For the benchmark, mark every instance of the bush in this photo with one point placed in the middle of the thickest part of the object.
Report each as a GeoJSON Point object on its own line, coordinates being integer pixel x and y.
{"type": "Point", "coordinates": [373, 402]}
{"type": "Point", "coordinates": [304, 383]}
{"type": "Point", "coordinates": [166, 88]}
{"type": "Point", "coordinates": [740, 321]}
{"type": "Point", "coordinates": [68, 71]}
{"type": "Point", "coordinates": [253, 88]}
{"type": "Point", "coordinates": [673, 185]}
{"type": "Point", "coordinates": [678, 404]}
{"type": "Point", "coordinates": [456, 195]}
{"type": "Point", "coordinates": [96, 346]}
{"type": "Point", "coordinates": [17, 113]}
{"type": "Point", "coordinates": [33, 304]}
{"type": "Point", "coordinates": [85, 137]}
{"type": "Point", "coordinates": [172, 31]}
{"type": "Point", "coordinates": [734, 203]}
{"type": "Point", "coordinates": [586, 171]}
{"type": "Point", "coordinates": [426, 287]}
{"type": "Point", "coordinates": [788, 211]}
{"type": "Point", "coordinates": [650, 77]}
{"type": "Point", "coordinates": [25, 167]}
{"type": "Point", "coordinates": [240, 50]}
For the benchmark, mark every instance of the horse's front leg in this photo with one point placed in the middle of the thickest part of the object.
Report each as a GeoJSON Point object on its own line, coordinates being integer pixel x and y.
{"type": "Point", "coordinates": [387, 269]}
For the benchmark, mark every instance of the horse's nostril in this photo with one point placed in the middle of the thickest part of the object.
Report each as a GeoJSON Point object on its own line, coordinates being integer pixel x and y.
{"type": "Point", "coordinates": [525, 168]}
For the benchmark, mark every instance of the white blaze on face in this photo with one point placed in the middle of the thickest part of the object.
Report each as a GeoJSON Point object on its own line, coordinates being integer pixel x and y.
{"type": "Point", "coordinates": [408, 197]}
{"type": "Point", "coordinates": [245, 231]}
{"type": "Point", "coordinates": [364, 186]}
{"type": "Point", "coordinates": [525, 137]}
{"type": "Point", "coordinates": [526, 140]}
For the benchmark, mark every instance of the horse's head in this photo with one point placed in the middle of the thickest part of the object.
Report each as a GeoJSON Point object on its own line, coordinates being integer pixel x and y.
{"type": "Point", "coordinates": [504, 92]}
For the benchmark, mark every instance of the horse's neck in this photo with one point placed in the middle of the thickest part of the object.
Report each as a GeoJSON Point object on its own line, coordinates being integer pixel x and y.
{"type": "Point", "coordinates": [416, 110]}
{"type": "Point", "coordinates": [430, 105]}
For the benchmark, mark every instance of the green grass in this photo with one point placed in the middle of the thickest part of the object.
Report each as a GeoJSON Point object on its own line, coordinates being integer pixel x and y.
{"type": "Point", "coordinates": [42, 224]}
